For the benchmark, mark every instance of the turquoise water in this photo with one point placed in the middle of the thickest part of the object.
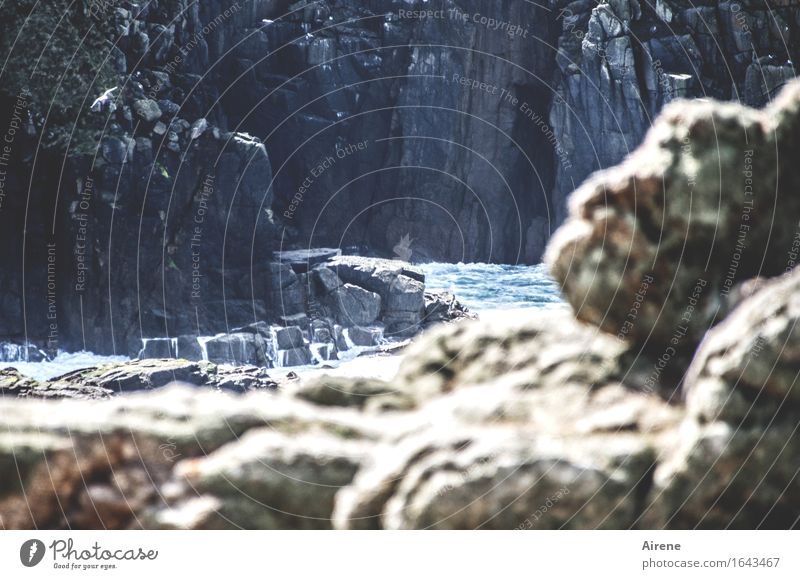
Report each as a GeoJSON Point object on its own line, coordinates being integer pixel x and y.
{"type": "Point", "coordinates": [485, 287]}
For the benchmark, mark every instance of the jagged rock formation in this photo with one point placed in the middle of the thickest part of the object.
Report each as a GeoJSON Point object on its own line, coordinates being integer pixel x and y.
{"type": "Point", "coordinates": [129, 447]}
{"type": "Point", "coordinates": [496, 449]}
{"type": "Point", "coordinates": [537, 421]}
{"type": "Point", "coordinates": [105, 381]}
{"type": "Point", "coordinates": [489, 124]}
{"type": "Point", "coordinates": [621, 61]}
{"type": "Point", "coordinates": [330, 304]}
{"type": "Point", "coordinates": [685, 220]}
{"type": "Point", "coordinates": [742, 411]}
{"type": "Point", "coordinates": [128, 236]}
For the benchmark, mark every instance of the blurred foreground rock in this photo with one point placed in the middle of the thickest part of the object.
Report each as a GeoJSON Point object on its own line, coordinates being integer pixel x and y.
{"type": "Point", "coordinates": [545, 433]}
{"type": "Point", "coordinates": [654, 248]}
{"type": "Point", "coordinates": [739, 453]}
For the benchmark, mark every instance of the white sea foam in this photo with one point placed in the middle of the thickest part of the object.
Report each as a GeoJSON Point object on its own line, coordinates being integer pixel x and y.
{"type": "Point", "coordinates": [61, 364]}
{"type": "Point", "coordinates": [382, 367]}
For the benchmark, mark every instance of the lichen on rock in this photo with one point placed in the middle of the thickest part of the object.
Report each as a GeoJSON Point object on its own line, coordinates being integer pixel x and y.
{"type": "Point", "coordinates": [653, 248]}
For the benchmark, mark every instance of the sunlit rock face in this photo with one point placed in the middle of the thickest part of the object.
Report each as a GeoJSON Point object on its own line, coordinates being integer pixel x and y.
{"type": "Point", "coordinates": [655, 249]}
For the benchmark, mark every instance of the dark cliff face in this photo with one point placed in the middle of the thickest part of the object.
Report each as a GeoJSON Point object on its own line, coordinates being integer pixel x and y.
{"type": "Point", "coordinates": [163, 227]}
{"type": "Point", "coordinates": [423, 117]}
{"type": "Point", "coordinates": [478, 118]}
{"type": "Point", "coordinates": [449, 130]}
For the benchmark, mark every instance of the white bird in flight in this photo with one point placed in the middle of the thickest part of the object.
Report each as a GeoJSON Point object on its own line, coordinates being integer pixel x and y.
{"type": "Point", "coordinates": [102, 100]}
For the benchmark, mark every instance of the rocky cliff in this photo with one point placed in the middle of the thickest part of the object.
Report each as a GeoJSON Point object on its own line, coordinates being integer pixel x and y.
{"type": "Point", "coordinates": [555, 419]}
{"type": "Point", "coordinates": [479, 118]}
{"type": "Point", "coordinates": [448, 130]}
{"type": "Point", "coordinates": [117, 211]}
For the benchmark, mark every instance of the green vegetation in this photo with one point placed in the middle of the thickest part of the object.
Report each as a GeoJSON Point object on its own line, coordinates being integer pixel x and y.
{"type": "Point", "coordinates": [58, 52]}
{"type": "Point", "coordinates": [163, 170]}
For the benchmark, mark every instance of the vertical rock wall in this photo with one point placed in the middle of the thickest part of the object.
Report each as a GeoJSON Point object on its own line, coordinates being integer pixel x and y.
{"type": "Point", "coordinates": [620, 62]}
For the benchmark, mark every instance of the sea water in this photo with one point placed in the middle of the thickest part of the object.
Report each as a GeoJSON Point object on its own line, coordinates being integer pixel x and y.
{"type": "Point", "coordinates": [489, 287]}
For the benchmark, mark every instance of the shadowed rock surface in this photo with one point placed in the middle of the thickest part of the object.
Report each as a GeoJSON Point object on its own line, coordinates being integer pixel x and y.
{"type": "Point", "coordinates": [707, 202]}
